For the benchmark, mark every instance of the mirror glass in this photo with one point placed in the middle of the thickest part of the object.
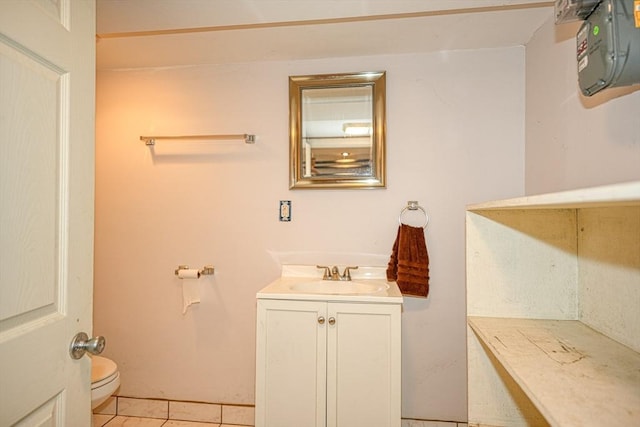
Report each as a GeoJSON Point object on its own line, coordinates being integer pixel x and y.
{"type": "Point", "coordinates": [337, 130]}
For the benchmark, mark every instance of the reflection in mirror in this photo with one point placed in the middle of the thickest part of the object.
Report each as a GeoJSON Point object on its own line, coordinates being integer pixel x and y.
{"type": "Point", "coordinates": [337, 130]}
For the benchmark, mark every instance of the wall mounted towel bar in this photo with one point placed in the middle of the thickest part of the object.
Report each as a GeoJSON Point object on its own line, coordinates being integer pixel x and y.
{"type": "Point", "coordinates": [413, 205]}
{"type": "Point", "coordinates": [248, 139]}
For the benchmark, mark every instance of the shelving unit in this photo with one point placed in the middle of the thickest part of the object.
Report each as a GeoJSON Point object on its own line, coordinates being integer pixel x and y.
{"type": "Point", "coordinates": [553, 305]}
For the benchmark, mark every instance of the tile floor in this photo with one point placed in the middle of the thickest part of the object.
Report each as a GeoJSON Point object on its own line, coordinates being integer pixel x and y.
{"type": "Point", "coordinates": [133, 412]}
{"type": "Point", "coordinates": [102, 420]}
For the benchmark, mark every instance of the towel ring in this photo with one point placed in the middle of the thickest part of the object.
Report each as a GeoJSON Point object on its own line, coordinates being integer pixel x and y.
{"type": "Point", "coordinates": [413, 205]}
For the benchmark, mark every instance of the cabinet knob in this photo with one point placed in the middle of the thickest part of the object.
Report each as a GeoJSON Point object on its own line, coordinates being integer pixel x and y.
{"type": "Point", "coordinates": [321, 320]}
{"type": "Point", "coordinates": [332, 321]}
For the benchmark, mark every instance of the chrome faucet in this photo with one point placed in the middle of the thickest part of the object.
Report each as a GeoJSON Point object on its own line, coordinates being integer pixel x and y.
{"type": "Point", "coordinates": [347, 273]}
{"type": "Point", "coordinates": [334, 273]}
{"type": "Point", "coordinates": [327, 272]}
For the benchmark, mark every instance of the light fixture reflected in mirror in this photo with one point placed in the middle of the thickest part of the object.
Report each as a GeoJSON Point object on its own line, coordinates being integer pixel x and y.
{"type": "Point", "coordinates": [357, 129]}
{"type": "Point", "coordinates": [344, 158]}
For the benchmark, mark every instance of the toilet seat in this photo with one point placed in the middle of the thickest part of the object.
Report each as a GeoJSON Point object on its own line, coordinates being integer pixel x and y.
{"type": "Point", "coordinates": [105, 381]}
{"type": "Point", "coordinates": [103, 371]}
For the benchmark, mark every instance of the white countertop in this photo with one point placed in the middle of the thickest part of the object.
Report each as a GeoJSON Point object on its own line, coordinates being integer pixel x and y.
{"type": "Point", "coordinates": [281, 288]}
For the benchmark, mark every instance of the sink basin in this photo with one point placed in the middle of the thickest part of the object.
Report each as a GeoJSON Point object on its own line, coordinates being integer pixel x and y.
{"type": "Point", "coordinates": [340, 287]}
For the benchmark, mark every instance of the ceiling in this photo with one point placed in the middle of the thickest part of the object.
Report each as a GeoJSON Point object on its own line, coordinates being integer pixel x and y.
{"type": "Point", "coordinates": [164, 33]}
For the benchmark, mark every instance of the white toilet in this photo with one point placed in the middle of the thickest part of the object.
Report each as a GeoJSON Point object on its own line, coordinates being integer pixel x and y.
{"type": "Point", "coordinates": [105, 379]}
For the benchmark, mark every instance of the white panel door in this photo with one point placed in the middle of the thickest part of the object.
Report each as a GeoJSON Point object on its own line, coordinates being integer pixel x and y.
{"type": "Point", "coordinates": [363, 365]}
{"type": "Point", "coordinates": [291, 363]}
{"type": "Point", "coordinates": [47, 86]}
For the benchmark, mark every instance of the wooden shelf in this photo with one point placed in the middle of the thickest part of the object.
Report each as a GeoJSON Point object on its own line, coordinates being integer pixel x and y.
{"type": "Point", "coordinates": [574, 375]}
{"type": "Point", "coordinates": [627, 194]}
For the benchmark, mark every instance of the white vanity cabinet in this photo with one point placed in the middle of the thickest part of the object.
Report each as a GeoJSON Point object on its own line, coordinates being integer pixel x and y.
{"type": "Point", "coordinates": [327, 363]}
{"type": "Point", "coordinates": [553, 308]}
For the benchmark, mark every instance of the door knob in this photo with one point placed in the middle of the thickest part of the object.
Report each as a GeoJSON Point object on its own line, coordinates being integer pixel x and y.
{"type": "Point", "coordinates": [321, 320]}
{"type": "Point", "coordinates": [332, 321]}
{"type": "Point", "coordinates": [81, 344]}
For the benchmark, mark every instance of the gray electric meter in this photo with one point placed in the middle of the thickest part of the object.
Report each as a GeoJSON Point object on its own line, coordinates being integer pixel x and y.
{"type": "Point", "coordinates": [608, 46]}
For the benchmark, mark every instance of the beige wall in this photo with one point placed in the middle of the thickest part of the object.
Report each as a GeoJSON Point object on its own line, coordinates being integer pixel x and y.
{"type": "Point", "coordinates": [455, 136]}
{"type": "Point", "coordinates": [574, 141]}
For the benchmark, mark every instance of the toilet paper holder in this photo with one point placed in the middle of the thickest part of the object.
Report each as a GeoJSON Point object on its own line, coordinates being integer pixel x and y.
{"type": "Point", "coordinates": [206, 270]}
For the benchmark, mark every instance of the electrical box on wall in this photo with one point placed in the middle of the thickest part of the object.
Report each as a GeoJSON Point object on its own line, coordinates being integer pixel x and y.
{"type": "Point", "coordinates": [608, 46]}
{"type": "Point", "coordinates": [573, 10]}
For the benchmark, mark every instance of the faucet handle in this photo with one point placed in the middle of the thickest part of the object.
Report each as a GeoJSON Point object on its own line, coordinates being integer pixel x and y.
{"type": "Point", "coordinates": [327, 272]}
{"type": "Point", "coordinates": [347, 273]}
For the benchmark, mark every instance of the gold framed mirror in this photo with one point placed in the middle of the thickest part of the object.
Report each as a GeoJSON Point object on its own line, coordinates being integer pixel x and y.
{"type": "Point", "coordinates": [337, 130]}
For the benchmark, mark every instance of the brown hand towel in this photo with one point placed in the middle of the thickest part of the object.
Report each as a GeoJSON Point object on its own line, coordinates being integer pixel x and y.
{"type": "Point", "coordinates": [409, 262]}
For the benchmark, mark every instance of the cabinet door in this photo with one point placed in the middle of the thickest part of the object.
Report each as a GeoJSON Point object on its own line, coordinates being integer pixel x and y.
{"type": "Point", "coordinates": [291, 364]}
{"type": "Point", "coordinates": [363, 365]}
